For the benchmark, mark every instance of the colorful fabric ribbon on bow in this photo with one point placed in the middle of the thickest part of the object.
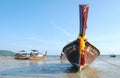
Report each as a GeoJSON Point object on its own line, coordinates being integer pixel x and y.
{"type": "Point", "coordinates": [82, 49]}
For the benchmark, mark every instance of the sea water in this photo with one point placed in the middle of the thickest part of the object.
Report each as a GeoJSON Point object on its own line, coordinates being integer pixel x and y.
{"type": "Point", "coordinates": [53, 67]}
{"type": "Point", "coordinates": [49, 65]}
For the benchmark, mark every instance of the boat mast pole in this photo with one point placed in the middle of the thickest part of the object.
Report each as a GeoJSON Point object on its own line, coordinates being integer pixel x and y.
{"type": "Point", "coordinates": [81, 21]}
{"type": "Point", "coordinates": [83, 14]}
{"type": "Point", "coordinates": [83, 11]}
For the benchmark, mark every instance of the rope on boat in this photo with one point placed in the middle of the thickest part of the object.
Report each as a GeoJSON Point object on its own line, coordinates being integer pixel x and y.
{"type": "Point", "coordinates": [109, 63]}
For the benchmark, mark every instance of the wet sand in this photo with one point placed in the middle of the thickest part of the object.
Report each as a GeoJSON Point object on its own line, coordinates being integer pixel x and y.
{"type": "Point", "coordinates": [52, 67]}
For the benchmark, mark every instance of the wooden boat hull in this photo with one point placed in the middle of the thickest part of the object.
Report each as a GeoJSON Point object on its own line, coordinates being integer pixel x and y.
{"type": "Point", "coordinates": [22, 57]}
{"type": "Point", "coordinates": [72, 52]}
{"type": "Point", "coordinates": [36, 57]}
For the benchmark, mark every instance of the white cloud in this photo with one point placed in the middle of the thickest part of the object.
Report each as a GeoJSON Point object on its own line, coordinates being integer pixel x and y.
{"type": "Point", "coordinates": [62, 30]}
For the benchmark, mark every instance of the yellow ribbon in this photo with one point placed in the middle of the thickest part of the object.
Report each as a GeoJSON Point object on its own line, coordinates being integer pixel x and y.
{"type": "Point", "coordinates": [82, 49]}
{"type": "Point", "coordinates": [82, 42]}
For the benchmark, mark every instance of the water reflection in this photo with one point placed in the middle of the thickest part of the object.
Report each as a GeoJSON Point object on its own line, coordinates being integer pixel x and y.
{"type": "Point", "coordinates": [87, 72]}
{"type": "Point", "coordinates": [37, 62]}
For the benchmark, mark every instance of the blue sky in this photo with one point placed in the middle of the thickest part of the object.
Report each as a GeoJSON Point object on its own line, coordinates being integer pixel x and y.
{"type": "Point", "coordinates": [48, 25]}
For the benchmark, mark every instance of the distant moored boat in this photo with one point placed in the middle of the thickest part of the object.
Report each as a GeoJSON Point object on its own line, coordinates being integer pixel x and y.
{"type": "Point", "coordinates": [63, 57]}
{"type": "Point", "coordinates": [112, 55]}
{"type": "Point", "coordinates": [22, 55]}
{"type": "Point", "coordinates": [35, 55]}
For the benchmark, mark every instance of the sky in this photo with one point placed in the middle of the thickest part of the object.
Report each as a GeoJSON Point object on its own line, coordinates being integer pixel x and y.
{"type": "Point", "coordinates": [48, 25]}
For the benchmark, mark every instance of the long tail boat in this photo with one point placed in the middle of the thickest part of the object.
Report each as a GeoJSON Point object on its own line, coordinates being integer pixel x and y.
{"type": "Point", "coordinates": [22, 55]}
{"type": "Point", "coordinates": [35, 55]}
{"type": "Point", "coordinates": [81, 52]}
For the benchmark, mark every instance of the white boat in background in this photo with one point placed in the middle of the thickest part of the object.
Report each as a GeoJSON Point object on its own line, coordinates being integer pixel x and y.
{"type": "Point", "coordinates": [36, 55]}
{"type": "Point", "coordinates": [22, 55]}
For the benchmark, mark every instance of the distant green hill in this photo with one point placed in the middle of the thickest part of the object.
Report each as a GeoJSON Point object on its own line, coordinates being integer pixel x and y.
{"type": "Point", "coordinates": [6, 53]}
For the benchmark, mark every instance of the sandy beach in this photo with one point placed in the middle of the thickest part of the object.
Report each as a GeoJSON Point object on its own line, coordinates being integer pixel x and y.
{"type": "Point", "coordinates": [53, 67]}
